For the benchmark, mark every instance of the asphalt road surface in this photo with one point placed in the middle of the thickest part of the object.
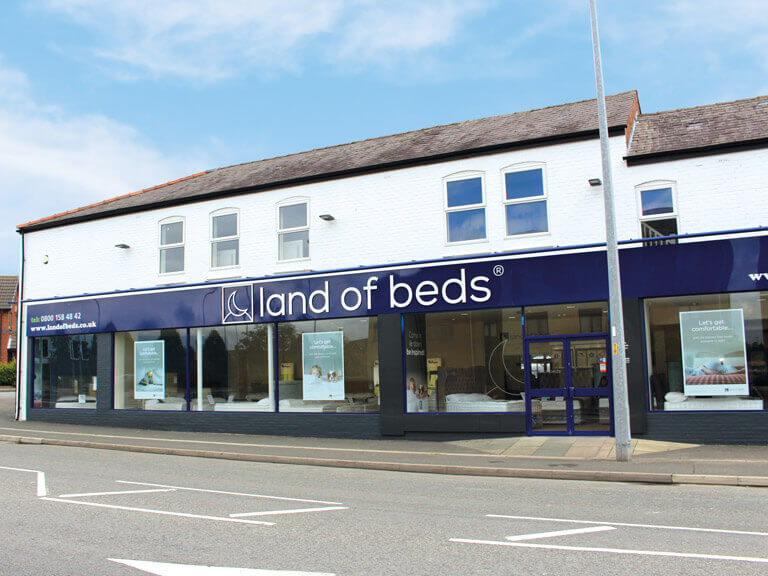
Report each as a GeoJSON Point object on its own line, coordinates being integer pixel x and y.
{"type": "Point", "coordinates": [82, 511]}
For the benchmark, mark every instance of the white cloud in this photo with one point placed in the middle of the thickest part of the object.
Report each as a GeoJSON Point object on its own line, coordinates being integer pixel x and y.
{"type": "Point", "coordinates": [739, 23]}
{"type": "Point", "coordinates": [52, 161]}
{"type": "Point", "coordinates": [207, 40]}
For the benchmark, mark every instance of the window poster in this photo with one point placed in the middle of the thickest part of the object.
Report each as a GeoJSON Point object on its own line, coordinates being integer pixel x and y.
{"type": "Point", "coordinates": [714, 353]}
{"type": "Point", "coordinates": [416, 393]}
{"type": "Point", "coordinates": [323, 365]}
{"type": "Point", "coordinates": [149, 369]}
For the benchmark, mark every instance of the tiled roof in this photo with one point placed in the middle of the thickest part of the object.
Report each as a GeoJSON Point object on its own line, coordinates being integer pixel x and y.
{"type": "Point", "coordinates": [700, 128]}
{"type": "Point", "coordinates": [7, 291]}
{"type": "Point", "coordinates": [578, 119]}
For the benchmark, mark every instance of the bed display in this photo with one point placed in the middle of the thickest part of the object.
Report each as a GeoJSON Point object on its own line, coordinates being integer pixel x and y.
{"type": "Point", "coordinates": [553, 411]}
{"type": "Point", "coordinates": [475, 402]}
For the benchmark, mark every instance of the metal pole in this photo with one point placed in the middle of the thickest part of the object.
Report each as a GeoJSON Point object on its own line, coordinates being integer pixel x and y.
{"type": "Point", "coordinates": [619, 365]}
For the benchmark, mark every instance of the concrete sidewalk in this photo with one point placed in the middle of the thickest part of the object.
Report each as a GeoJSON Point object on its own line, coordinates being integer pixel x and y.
{"type": "Point", "coordinates": [572, 458]}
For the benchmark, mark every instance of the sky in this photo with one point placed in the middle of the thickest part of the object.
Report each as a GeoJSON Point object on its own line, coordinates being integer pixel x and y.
{"type": "Point", "coordinates": [102, 98]}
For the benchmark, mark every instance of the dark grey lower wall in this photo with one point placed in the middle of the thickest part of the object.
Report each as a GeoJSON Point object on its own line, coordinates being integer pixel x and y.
{"type": "Point", "coordinates": [293, 424]}
{"type": "Point", "coordinates": [709, 427]}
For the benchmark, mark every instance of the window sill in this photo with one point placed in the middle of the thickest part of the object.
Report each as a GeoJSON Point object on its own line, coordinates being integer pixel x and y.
{"type": "Point", "coordinates": [461, 243]}
{"type": "Point", "coordinates": [528, 235]}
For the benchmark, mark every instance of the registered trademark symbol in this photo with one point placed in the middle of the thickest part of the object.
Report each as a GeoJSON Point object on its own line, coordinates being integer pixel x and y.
{"type": "Point", "coordinates": [498, 270]}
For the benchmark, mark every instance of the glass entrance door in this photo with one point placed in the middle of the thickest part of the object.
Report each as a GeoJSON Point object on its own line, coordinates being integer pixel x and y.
{"type": "Point", "coordinates": [568, 386]}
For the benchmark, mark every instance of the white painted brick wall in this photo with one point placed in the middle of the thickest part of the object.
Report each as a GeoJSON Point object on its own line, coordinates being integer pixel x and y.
{"type": "Point", "coordinates": [396, 216]}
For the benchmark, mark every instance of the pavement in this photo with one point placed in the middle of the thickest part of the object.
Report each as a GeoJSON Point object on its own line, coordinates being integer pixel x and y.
{"type": "Point", "coordinates": [567, 458]}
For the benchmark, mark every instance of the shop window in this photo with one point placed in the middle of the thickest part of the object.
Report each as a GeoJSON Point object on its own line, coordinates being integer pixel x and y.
{"type": "Point", "coordinates": [293, 231]}
{"type": "Point", "coordinates": [225, 239]}
{"type": "Point", "coordinates": [171, 245]}
{"type": "Point", "coordinates": [525, 201]}
{"type": "Point", "coordinates": [465, 209]}
{"type": "Point", "coordinates": [708, 352]}
{"type": "Point", "coordinates": [564, 319]}
{"type": "Point", "coordinates": [236, 369]}
{"type": "Point", "coordinates": [658, 215]}
{"type": "Point", "coordinates": [151, 370]}
{"type": "Point", "coordinates": [65, 371]}
{"type": "Point", "coordinates": [328, 366]}
{"type": "Point", "coordinates": [467, 361]}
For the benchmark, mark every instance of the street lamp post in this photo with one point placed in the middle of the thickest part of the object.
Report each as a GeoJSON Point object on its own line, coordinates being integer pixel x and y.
{"type": "Point", "coordinates": [619, 365]}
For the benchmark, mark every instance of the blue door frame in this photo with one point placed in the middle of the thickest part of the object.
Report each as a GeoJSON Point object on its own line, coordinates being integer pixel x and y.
{"type": "Point", "coordinates": [568, 392]}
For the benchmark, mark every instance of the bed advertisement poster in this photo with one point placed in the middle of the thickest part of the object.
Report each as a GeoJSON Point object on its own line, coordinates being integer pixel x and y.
{"type": "Point", "coordinates": [149, 370]}
{"type": "Point", "coordinates": [323, 365]}
{"type": "Point", "coordinates": [416, 393]}
{"type": "Point", "coordinates": [714, 353]}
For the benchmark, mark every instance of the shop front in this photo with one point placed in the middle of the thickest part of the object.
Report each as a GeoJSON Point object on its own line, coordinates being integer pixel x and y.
{"type": "Point", "coordinates": [509, 344]}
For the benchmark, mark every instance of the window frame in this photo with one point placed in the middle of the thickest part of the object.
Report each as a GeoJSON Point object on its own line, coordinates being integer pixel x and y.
{"type": "Point", "coordinates": [161, 246]}
{"type": "Point", "coordinates": [544, 197]}
{"type": "Point", "coordinates": [293, 201]}
{"type": "Point", "coordinates": [457, 177]}
{"type": "Point", "coordinates": [656, 185]}
{"type": "Point", "coordinates": [236, 236]}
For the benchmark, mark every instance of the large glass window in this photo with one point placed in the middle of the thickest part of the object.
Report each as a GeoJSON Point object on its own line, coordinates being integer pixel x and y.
{"type": "Point", "coordinates": [525, 202]}
{"type": "Point", "coordinates": [468, 361]}
{"type": "Point", "coordinates": [465, 209]}
{"type": "Point", "coordinates": [328, 365]}
{"type": "Point", "coordinates": [293, 231]}
{"type": "Point", "coordinates": [235, 368]}
{"type": "Point", "coordinates": [65, 371]}
{"type": "Point", "coordinates": [151, 370]}
{"type": "Point", "coordinates": [225, 241]}
{"type": "Point", "coordinates": [171, 246]}
{"type": "Point", "coordinates": [562, 319]}
{"type": "Point", "coordinates": [708, 352]}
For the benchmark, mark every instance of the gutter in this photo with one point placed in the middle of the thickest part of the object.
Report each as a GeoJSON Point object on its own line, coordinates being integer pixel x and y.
{"type": "Point", "coordinates": [711, 150]}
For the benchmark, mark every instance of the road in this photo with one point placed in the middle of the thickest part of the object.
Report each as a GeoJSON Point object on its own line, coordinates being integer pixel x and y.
{"type": "Point", "coordinates": [77, 511]}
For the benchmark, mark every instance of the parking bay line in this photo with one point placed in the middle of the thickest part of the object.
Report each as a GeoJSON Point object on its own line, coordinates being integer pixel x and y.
{"type": "Point", "coordinates": [41, 489]}
{"type": "Point", "coordinates": [630, 525]}
{"type": "Point", "coordinates": [116, 493]}
{"type": "Point", "coordinates": [615, 551]}
{"type": "Point", "coordinates": [231, 493]}
{"type": "Point", "coordinates": [294, 511]}
{"type": "Point", "coordinates": [160, 512]}
{"type": "Point", "coordinates": [539, 535]}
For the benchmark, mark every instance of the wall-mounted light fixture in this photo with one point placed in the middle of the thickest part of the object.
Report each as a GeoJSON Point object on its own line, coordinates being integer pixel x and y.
{"type": "Point", "coordinates": [595, 182]}
{"type": "Point", "coordinates": [122, 246]}
{"type": "Point", "coordinates": [327, 217]}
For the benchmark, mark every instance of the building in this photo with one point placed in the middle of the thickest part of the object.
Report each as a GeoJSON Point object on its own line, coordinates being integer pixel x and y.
{"type": "Point", "coordinates": [451, 279]}
{"type": "Point", "coordinates": [9, 286]}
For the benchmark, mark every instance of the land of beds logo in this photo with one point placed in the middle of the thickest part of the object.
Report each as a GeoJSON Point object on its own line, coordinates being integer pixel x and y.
{"type": "Point", "coordinates": [237, 304]}
{"type": "Point", "coordinates": [352, 294]}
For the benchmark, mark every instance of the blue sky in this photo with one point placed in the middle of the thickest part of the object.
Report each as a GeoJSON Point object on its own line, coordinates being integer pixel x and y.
{"type": "Point", "coordinates": [101, 98]}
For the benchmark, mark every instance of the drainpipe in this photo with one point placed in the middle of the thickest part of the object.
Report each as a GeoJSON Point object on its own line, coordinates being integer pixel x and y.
{"type": "Point", "coordinates": [20, 340]}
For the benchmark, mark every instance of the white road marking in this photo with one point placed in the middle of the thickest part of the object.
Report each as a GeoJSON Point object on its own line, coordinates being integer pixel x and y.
{"type": "Point", "coordinates": [522, 537]}
{"type": "Point", "coordinates": [161, 512]}
{"type": "Point", "coordinates": [168, 569]}
{"type": "Point", "coordinates": [659, 526]}
{"type": "Point", "coordinates": [41, 489]}
{"type": "Point", "coordinates": [232, 493]}
{"type": "Point", "coordinates": [84, 494]}
{"type": "Point", "coordinates": [294, 511]}
{"type": "Point", "coordinates": [616, 551]}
